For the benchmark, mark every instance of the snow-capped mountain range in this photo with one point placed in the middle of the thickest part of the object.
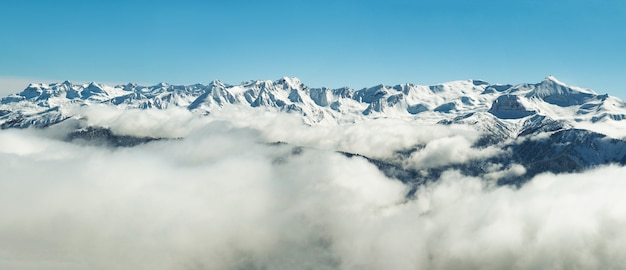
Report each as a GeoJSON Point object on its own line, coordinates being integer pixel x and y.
{"type": "Point", "coordinates": [547, 126]}
{"type": "Point", "coordinates": [503, 109]}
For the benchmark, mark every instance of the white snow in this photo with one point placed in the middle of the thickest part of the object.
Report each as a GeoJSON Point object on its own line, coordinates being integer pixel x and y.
{"type": "Point", "coordinates": [450, 101]}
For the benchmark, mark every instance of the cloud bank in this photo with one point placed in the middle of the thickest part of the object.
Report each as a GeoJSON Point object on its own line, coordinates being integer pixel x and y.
{"type": "Point", "coordinates": [226, 197]}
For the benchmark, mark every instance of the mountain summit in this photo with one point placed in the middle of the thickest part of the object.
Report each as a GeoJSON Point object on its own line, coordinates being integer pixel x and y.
{"type": "Point", "coordinates": [544, 127]}
{"type": "Point", "coordinates": [43, 104]}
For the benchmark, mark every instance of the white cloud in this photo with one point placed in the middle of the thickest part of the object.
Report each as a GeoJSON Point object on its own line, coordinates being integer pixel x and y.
{"type": "Point", "coordinates": [449, 150]}
{"type": "Point", "coordinates": [211, 199]}
{"type": "Point", "coordinates": [496, 172]}
{"type": "Point", "coordinates": [223, 198]}
{"type": "Point", "coordinates": [613, 129]}
{"type": "Point", "coordinates": [170, 123]}
{"type": "Point", "coordinates": [377, 138]}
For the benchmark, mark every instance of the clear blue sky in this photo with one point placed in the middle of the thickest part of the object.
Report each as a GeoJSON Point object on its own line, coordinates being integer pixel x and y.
{"type": "Point", "coordinates": [325, 43]}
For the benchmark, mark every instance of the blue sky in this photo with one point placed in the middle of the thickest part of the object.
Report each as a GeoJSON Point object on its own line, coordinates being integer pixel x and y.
{"type": "Point", "coordinates": [323, 42]}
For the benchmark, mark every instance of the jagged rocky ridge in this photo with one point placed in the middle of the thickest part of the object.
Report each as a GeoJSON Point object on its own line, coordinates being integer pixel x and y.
{"type": "Point", "coordinates": [509, 115]}
{"type": "Point", "coordinates": [40, 105]}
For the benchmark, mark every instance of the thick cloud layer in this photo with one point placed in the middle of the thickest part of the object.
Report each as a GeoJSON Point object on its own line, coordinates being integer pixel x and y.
{"type": "Point", "coordinates": [377, 138]}
{"type": "Point", "coordinates": [225, 197]}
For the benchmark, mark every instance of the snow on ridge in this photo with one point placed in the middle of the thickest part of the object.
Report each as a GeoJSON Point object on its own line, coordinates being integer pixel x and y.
{"type": "Point", "coordinates": [430, 104]}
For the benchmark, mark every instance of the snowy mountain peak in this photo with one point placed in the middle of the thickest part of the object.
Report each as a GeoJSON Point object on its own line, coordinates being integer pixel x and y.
{"type": "Point", "coordinates": [291, 82]}
{"type": "Point", "coordinates": [217, 83]}
{"type": "Point", "coordinates": [37, 85]}
{"type": "Point", "coordinates": [551, 78]}
{"type": "Point", "coordinates": [129, 86]}
{"type": "Point", "coordinates": [553, 81]}
{"type": "Point", "coordinates": [558, 93]}
{"type": "Point", "coordinates": [93, 91]}
{"type": "Point", "coordinates": [42, 104]}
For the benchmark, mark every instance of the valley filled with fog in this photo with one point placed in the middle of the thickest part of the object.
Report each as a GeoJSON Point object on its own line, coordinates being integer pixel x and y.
{"type": "Point", "coordinates": [417, 135]}
{"type": "Point", "coordinates": [264, 190]}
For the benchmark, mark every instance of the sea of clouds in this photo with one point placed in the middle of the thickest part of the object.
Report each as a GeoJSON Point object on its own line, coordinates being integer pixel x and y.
{"type": "Point", "coordinates": [223, 194]}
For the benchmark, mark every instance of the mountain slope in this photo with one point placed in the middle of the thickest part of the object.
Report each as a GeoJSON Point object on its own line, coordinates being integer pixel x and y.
{"type": "Point", "coordinates": [543, 127]}
{"type": "Point", "coordinates": [40, 105]}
